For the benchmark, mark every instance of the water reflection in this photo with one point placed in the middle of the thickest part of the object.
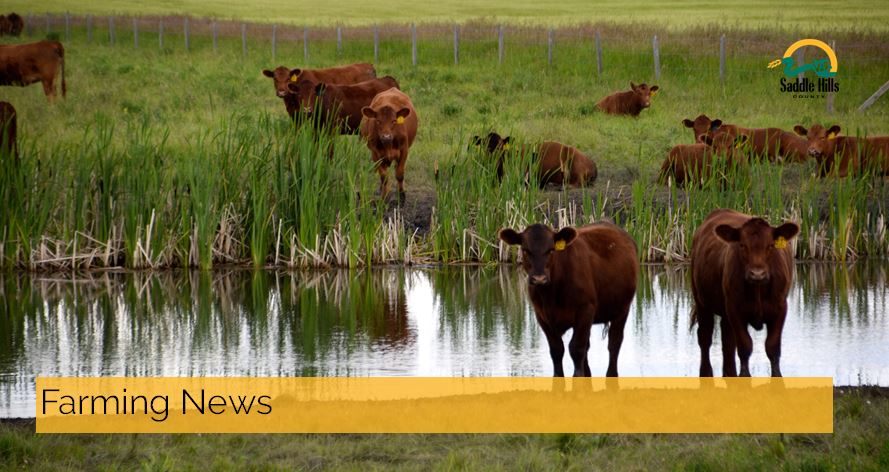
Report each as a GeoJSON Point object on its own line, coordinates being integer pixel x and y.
{"type": "Point", "coordinates": [452, 321]}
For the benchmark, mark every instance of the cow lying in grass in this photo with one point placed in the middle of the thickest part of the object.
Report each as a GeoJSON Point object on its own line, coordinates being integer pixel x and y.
{"type": "Point", "coordinates": [631, 102]}
{"type": "Point", "coordinates": [845, 154]}
{"type": "Point", "coordinates": [768, 143]}
{"type": "Point", "coordinates": [694, 163]}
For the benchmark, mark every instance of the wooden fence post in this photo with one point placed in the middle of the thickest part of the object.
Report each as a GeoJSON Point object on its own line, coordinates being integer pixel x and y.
{"type": "Point", "coordinates": [456, 44]}
{"type": "Point", "coordinates": [339, 40]}
{"type": "Point", "coordinates": [160, 34]}
{"type": "Point", "coordinates": [598, 52]}
{"type": "Point", "coordinates": [67, 26]}
{"type": "Point", "coordinates": [414, 44]}
{"type": "Point", "coordinates": [28, 22]}
{"type": "Point", "coordinates": [376, 43]}
{"type": "Point", "coordinates": [722, 58]}
{"type": "Point", "coordinates": [873, 98]}
{"type": "Point", "coordinates": [48, 24]}
{"type": "Point", "coordinates": [111, 30]}
{"type": "Point", "coordinates": [215, 37]}
{"type": "Point", "coordinates": [187, 36]}
{"type": "Point", "coordinates": [500, 50]}
{"type": "Point", "coordinates": [551, 42]}
{"type": "Point", "coordinates": [274, 42]}
{"type": "Point", "coordinates": [244, 39]}
{"type": "Point", "coordinates": [657, 59]}
{"type": "Point", "coordinates": [89, 28]}
{"type": "Point", "coordinates": [830, 95]}
{"type": "Point", "coordinates": [135, 33]}
{"type": "Point", "coordinates": [306, 43]}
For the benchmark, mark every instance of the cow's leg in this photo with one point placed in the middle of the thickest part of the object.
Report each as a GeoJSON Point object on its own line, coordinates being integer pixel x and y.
{"type": "Point", "coordinates": [743, 340]}
{"type": "Point", "coordinates": [556, 350]}
{"type": "Point", "coordinates": [728, 348]}
{"type": "Point", "coordinates": [383, 170]}
{"type": "Point", "coordinates": [616, 338]}
{"type": "Point", "coordinates": [705, 339]}
{"type": "Point", "coordinates": [399, 173]}
{"type": "Point", "coordinates": [773, 344]}
{"type": "Point", "coordinates": [579, 346]}
{"type": "Point", "coordinates": [49, 89]}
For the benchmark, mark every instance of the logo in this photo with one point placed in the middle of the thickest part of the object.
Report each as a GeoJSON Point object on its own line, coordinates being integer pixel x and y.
{"type": "Point", "coordinates": [825, 69]}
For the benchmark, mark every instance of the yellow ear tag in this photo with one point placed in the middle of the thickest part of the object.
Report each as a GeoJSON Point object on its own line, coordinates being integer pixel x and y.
{"type": "Point", "coordinates": [780, 243]}
{"type": "Point", "coordinates": [653, 93]}
{"type": "Point", "coordinates": [832, 136]}
{"type": "Point", "coordinates": [293, 77]}
{"type": "Point", "coordinates": [506, 147]}
{"type": "Point", "coordinates": [560, 245]}
{"type": "Point", "coordinates": [399, 120]}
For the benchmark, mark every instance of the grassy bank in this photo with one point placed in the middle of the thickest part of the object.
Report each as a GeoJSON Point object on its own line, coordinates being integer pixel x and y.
{"type": "Point", "coordinates": [859, 442]}
{"type": "Point", "coordinates": [162, 157]}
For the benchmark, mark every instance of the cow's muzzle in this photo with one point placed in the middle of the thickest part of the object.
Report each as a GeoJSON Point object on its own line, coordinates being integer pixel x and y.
{"type": "Point", "coordinates": [757, 276]}
{"type": "Point", "coordinates": [814, 153]}
{"type": "Point", "coordinates": [282, 93]}
{"type": "Point", "coordinates": [538, 279]}
{"type": "Point", "coordinates": [386, 138]}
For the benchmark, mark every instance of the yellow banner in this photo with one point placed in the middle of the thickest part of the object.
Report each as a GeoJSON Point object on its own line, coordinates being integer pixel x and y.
{"type": "Point", "coordinates": [433, 405]}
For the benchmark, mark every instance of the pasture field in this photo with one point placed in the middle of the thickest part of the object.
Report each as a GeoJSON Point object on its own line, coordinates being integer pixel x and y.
{"type": "Point", "coordinates": [171, 157]}
{"type": "Point", "coordinates": [813, 16]}
{"type": "Point", "coordinates": [859, 442]}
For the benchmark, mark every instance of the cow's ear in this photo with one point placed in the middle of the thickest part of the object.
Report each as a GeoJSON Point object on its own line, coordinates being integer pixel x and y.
{"type": "Point", "coordinates": [369, 112]}
{"type": "Point", "coordinates": [476, 140]}
{"type": "Point", "coordinates": [268, 73]}
{"type": "Point", "coordinates": [565, 237]}
{"type": "Point", "coordinates": [507, 140]}
{"type": "Point", "coordinates": [787, 231]}
{"type": "Point", "coordinates": [654, 88]}
{"type": "Point", "coordinates": [509, 236]}
{"type": "Point", "coordinates": [715, 124]}
{"type": "Point", "coordinates": [800, 130]}
{"type": "Point", "coordinates": [403, 113]}
{"type": "Point", "coordinates": [833, 131]}
{"type": "Point", "coordinates": [294, 74]}
{"type": "Point", "coordinates": [319, 89]}
{"type": "Point", "coordinates": [688, 123]}
{"type": "Point", "coordinates": [727, 233]}
{"type": "Point", "coordinates": [632, 85]}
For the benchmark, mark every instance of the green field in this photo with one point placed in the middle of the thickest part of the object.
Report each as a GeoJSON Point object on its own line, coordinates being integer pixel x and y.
{"type": "Point", "coordinates": [817, 15]}
{"type": "Point", "coordinates": [859, 442]}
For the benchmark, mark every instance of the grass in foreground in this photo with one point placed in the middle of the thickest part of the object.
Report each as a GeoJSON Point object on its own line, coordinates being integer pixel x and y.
{"type": "Point", "coordinates": [860, 442]}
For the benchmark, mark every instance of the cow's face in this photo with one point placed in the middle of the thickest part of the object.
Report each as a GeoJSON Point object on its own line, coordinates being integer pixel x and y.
{"type": "Point", "coordinates": [538, 243]}
{"type": "Point", "coordinates": [756, 240]}
{"type": "Point", "coordinates": [281, 77]}
{"type": "Point", "coordinates": [822, 141]}
{"type": "Point", "coordinates": [307, 93]}
{"type": "Point", "coordinates": [643, 93]}
{"type": "Point", "coordinates": [492, 143]}
{"type": "Point", "coordinates": [389, 122]}
{"type": "Point", "coordinates": [702, 125]}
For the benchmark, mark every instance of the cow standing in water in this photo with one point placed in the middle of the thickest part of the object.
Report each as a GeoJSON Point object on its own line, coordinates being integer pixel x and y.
{"type": "Point", "coordinates": [741, 270]}
{"type": "Point", "coordinates": [577, 278]}
{"type": "Point", "coordinates": [631, 102]}
{"type": "Point", "coordinates": [282, 77]}
{"type": "Point", "coordinates": [389, 127]}
{"type": "Point", "coordinates": [26, 64]}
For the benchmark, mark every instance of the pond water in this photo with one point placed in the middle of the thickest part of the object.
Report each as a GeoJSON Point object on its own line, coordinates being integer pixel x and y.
{"type": "Point", "coordinates": [443, 321]}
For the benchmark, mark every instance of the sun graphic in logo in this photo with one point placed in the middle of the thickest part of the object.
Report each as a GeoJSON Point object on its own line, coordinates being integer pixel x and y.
{"type": "Point", "coordinates": [822, 67]}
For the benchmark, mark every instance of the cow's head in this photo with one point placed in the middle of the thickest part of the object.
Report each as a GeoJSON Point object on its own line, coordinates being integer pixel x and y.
{"type": "Point", "coordinates": [822, 141]}
{"type": "Point", "coordinates": [643, 93]}
{"type": "Point", "coordinates": [281, 77]}
{"type": "Point", "coordinates": [538, 243]}
{"type": "Point", "coordinates": [492, 143]}
{"type": "Point", "coordinates": [307, 93]}
{"type": "Point", "coordinates": [388, 121]}
{"type": "Point", "coordinates": [702, 125]}
{"type": "Point", "coordinates": [756, 240]}
{"type": "Point", "coordinates": [724, 143]}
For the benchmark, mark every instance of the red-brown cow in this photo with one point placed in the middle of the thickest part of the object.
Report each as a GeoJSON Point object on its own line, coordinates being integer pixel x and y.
{"type": "Point", "coordinates": [741, 270]}
{"type": "Point", "coordinates": [694, 162]}
{"type": "Point", "coordinates": [763, 142]}
{"type": "Point", "coordinates": [340, 103]}
{"type": "Point", "coordinates": [631, 102]}
{"type": "Point", "coordinates": [389, 127]}
{"type": "Point", "coordinates": [343, 75]}
{"type": "Point", "coordinates": [555, 160]}
{"type": "Point", "coordinates": [577, 278]}
{"type": "Point", "coordinates": [8, 124]}
{"type": "Point", "coordinates": [11, 25]}
{"type": "Point", "coordinates": [856, 155]}
{"type": "Point", "coordinates": [25, 64]}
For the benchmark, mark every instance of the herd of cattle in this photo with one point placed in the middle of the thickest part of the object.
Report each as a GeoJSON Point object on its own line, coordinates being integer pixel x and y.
{"type": "Point", "coordinates": [577, 277]}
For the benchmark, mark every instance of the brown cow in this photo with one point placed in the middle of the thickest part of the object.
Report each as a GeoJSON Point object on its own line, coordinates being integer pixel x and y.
{"type": "Point", "coordinates": [741, 270]}
{"type": "Point", "coordinates": [389, 126]}
{"type": "Point", "coordinates": [856, 154]}
{"type": "Point", "coordinates": [8, 124]}
{"type": "Point", "coordinates": [341, 103]}
{"type": "Point", "coordinates": [694, 162]}
{"type": "Point", "coordinates": [763, 142]}
{"type": "Point", "coordinates": [577, 278]}
{"type": "Point", "coordinates": [631, 102]}
{"type": "Point", "coordinates": [343, 75]}
{"type": "Point", "coordinates": [554, 160]}
{"type": "Point", "coordinates": [11, 25]}
{"type": "Point", "coordinates": [25, 64]}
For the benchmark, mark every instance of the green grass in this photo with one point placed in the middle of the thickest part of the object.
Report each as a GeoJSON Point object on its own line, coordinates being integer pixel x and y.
{"type": "Point", "coordinates": [167, 157]}
{"type": "Point", "coordinates": [814, 15]}
{"type": "Point", "coordinates": [859, 442]}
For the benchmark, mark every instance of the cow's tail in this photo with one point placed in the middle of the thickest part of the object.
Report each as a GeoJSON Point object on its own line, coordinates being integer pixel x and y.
{"type": "Point", "coordinates": [64, 84]}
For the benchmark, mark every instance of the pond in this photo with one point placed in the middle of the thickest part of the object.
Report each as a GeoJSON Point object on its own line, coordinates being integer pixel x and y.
{"type": "Point", "coordinates": [439, 321]}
